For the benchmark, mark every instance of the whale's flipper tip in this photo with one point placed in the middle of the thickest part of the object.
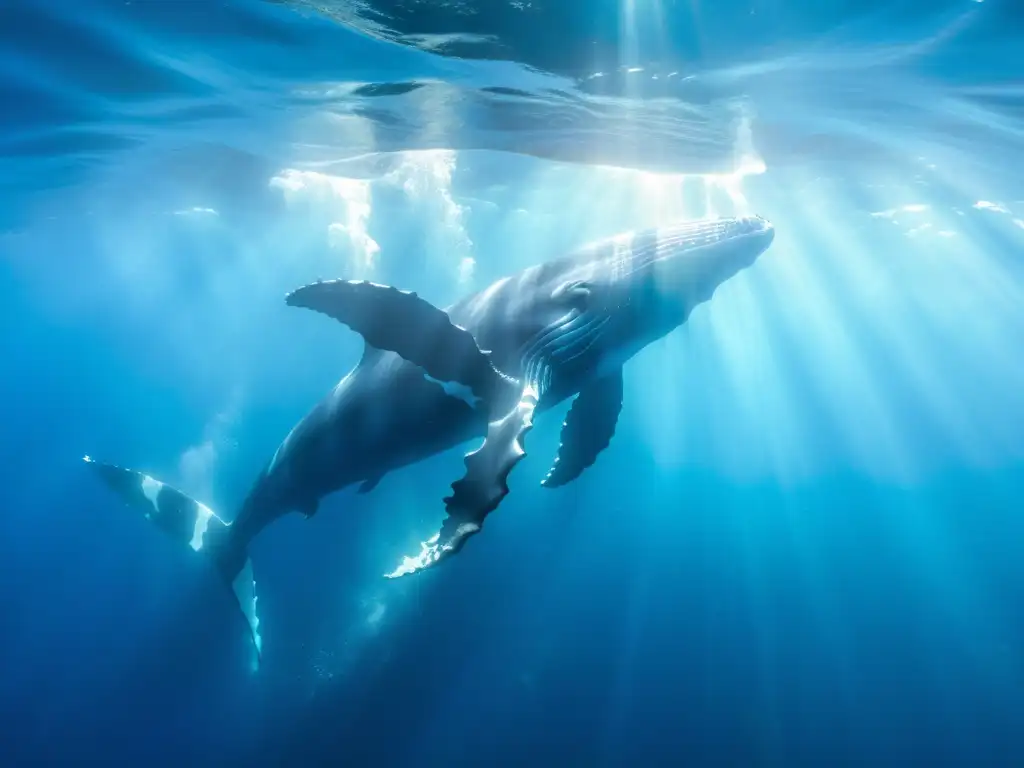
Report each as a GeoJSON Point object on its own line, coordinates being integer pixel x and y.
{"type": "Point", "coordinates": [191, 523]}
{"type": "Point", "coordinates": [442, 545]}
{"type": "Point", "coordinates": [588, 429]}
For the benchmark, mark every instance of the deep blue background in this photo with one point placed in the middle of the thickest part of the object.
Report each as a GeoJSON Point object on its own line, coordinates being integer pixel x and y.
{"type": "Point", "coordinates": [802, 547]}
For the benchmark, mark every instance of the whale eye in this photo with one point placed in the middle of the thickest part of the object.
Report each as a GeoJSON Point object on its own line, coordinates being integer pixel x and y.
{"type": "Point", "coordinates": [575, 292]}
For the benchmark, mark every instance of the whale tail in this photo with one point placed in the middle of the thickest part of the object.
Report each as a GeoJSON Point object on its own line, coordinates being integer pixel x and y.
{"type": "Point", "coordinates": [191, 523]}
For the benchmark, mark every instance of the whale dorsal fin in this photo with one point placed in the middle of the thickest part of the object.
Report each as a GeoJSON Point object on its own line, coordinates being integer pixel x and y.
{"type": "Point", "coordinates": [402, 322]}
{"type": "Point", "coordinates": [588, 429]}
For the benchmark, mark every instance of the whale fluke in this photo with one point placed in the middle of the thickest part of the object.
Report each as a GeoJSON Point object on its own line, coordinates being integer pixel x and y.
{"type": "Point", "coordinates": [192, 523]}
{"type": "Point", "coordinates": [402, 322]}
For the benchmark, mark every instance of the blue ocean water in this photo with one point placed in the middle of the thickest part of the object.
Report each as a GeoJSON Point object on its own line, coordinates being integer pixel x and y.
{"type": "Point", "coordinates": [802, 545]}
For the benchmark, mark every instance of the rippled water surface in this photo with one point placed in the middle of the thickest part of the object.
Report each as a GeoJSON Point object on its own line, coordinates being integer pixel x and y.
{"type": "Point", "coordinates": [802, 545]}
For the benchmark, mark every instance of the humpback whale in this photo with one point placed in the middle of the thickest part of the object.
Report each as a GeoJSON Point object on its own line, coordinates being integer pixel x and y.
{"type": "Point", "coordinates": [430, 379]}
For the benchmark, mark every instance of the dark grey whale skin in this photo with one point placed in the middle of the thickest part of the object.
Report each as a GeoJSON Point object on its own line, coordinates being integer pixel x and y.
{"type": "Point", "coordinates": [386, 414]}
{"type": "Point", "coordinates": [556, 330]}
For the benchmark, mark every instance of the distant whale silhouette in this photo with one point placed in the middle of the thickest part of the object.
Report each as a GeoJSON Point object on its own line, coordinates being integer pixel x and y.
{"type": "Point", "coordinates": [430, 379]}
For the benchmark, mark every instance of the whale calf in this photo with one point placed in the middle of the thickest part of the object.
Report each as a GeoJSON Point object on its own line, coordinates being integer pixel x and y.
{"type": "Point", "coordinates": [430, 379]}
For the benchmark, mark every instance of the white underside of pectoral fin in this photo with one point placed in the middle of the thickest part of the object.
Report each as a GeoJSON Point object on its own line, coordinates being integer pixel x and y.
{"type": "Point", "coordinates": [481, 489]}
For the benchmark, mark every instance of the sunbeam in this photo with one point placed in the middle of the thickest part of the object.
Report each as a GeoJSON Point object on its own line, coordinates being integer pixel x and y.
{"type": "Point", "coordinates": [735, 288]}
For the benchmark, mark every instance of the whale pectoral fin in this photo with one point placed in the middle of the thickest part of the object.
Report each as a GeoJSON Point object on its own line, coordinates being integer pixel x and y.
{"type": "Point", "coordinates": [481, 489]}
{"type": "Point", "coordinates": [402, 322]}
{"type": "Point", "coordinates": [588, 429]}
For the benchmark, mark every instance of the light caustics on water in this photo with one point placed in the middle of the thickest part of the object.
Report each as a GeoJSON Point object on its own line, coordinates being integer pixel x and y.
{"type": "Point", "coordinates": [822, 103]}
{"type": "Point", "coordinates": [426, 178]}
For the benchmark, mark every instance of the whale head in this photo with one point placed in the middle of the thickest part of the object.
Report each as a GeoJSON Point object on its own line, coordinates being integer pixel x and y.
{"type": "Point", "coordinates": [615, 296]}
{"type": "Point", "coordinates": [681, 267]}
